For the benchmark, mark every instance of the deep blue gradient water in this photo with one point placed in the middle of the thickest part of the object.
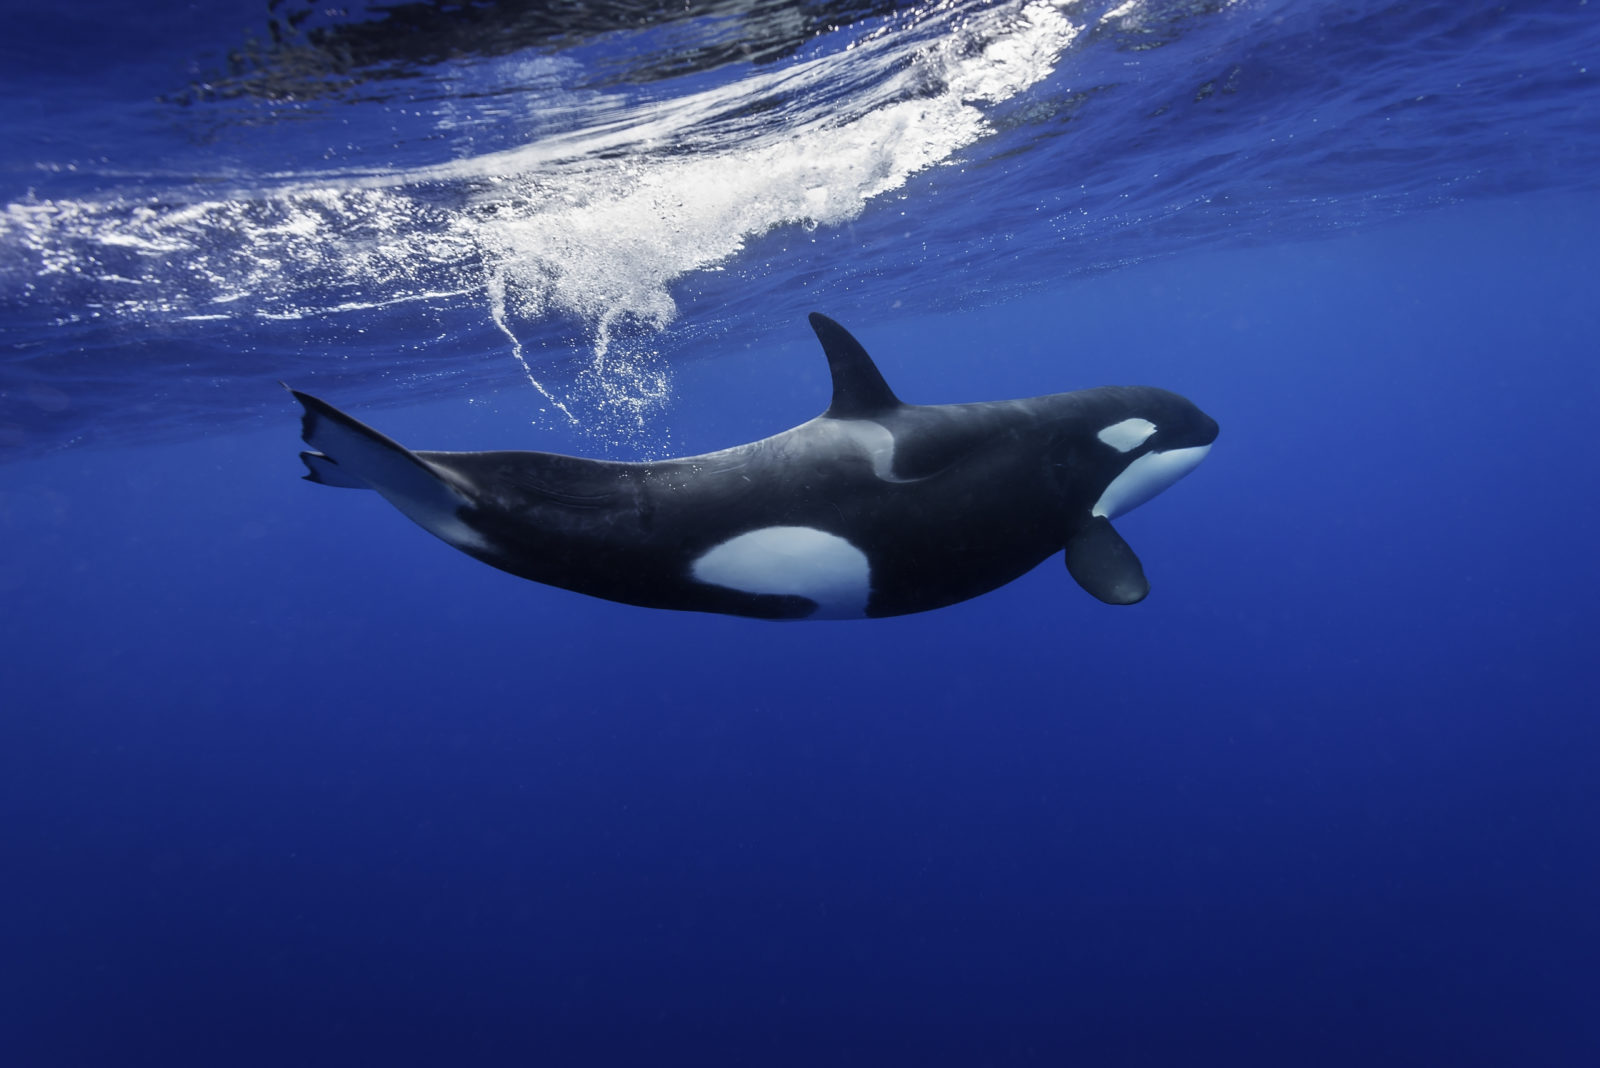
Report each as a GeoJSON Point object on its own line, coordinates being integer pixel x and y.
{"type": "Point", "coordinates": [287, 781]}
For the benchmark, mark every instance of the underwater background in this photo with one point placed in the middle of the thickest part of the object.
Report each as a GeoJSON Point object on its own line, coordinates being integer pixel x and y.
{"type": "Point", "coordinates": [284, 780]}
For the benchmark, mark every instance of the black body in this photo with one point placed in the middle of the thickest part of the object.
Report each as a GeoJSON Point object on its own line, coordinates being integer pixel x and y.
{"type": "Point", "coordinates": [946, 502]}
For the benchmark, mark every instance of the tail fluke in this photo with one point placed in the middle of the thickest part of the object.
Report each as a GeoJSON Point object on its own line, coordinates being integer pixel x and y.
{"type": "Point", "coordinates": [324, 472]}
{"type": "Point", "coordinates": [350, 454]}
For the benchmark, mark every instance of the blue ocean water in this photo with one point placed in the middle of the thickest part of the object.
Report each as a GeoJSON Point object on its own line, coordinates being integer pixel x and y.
{"type": "Point", "coordinates": [286, 780]}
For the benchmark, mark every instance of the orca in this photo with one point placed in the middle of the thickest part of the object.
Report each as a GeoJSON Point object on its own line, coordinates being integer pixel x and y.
{"type": "Point", "coordinates": [874, 508]}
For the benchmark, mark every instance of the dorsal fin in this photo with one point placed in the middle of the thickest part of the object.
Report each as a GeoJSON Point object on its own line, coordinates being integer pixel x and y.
{"type": "Point", "coordinates": [858, 389]}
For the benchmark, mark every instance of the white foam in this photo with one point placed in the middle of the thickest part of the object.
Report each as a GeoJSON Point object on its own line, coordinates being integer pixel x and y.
{"type": "Point", "coordinates": [599, 220]}
{"type": "Point", "coordinates": [796, 561]}
{"type": "Point", "coordinates": [609, 244]}
{"type": "Point", "coordinates": [595, 223]}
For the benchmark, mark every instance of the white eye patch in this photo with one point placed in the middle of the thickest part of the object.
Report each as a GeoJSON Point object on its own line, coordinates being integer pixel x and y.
{"type": "Point", "coordinates": [1128, 434]}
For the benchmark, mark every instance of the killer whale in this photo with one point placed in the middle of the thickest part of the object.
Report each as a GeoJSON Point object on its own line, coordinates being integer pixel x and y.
{"type": "Point", "coordinates": [874, 508]}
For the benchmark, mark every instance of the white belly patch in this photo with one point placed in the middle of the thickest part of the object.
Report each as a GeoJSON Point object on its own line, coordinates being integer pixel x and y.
{"type": "Point", "coordinates": [798, 561]}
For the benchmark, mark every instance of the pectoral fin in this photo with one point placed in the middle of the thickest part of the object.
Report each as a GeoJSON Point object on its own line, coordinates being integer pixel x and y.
{"type": "Point", "coordinates": [1103, 564]}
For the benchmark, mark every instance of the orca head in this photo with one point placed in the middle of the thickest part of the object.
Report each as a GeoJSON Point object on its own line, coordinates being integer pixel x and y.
{"type": "Point", "coordinates": [1143, 439]}
{"type": "Point", "coordinates": [1125, 445]}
